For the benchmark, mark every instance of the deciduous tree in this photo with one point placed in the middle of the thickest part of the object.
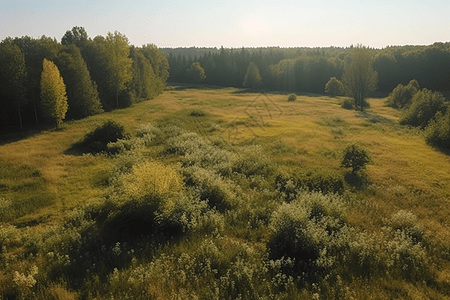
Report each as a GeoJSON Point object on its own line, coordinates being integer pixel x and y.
{"type": "Point", "coordinates": [53, 93]}
{"type": "Point", "coordinates": [334, 87]}
{"type": "Point", "coordinates": [12, 78]}
{"type": "Point", "coordinates": [82, 92]}
{"type": "Point", "coordinates": [359, 77]}
{"type": "Point", "coordinates": [196, 71]}
{"type": "Point", "coordinates": [118, 62]}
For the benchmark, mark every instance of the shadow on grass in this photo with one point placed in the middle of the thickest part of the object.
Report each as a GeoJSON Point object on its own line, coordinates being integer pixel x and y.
{"type": "Point", "coordinates": [358, 181]}
{"type": "Point", "coordinates": [373, 118]}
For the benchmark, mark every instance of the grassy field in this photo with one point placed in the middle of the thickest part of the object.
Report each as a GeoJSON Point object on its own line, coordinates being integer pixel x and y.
{"type": "Point", "coordinates": [243, 142]}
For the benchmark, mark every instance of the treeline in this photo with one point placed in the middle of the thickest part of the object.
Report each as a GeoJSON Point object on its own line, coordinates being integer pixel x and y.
{"type": "Point", "coordinates": [309, 69]}
{"type": "Point", "coordinates": [100, 74]}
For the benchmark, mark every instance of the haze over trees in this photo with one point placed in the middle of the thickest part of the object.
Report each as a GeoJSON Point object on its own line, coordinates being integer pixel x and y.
{"type": "Point", "coordinates": [100, 74]}
{"type": "Point", "coordinates": [307, 70]}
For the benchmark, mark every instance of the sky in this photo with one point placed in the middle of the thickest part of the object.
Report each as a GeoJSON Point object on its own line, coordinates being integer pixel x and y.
{"type": "Point", "coordinates": [236, 23]}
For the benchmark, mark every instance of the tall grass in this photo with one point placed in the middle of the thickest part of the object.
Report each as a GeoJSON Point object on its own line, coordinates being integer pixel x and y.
{"type": "Point", "coordinates": [176, 211]}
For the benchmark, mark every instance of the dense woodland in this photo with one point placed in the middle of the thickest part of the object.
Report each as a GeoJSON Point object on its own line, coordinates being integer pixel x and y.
{"type": "Point", "coordinates": [309, 69]}
{"type": "Point", "coordinates": [100, 74]}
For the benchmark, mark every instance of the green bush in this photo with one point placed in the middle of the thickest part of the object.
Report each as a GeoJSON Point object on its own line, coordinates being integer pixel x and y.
{"type": "Point", "coordinates": [292, 97]}
{"type": "Point", "coordinates": [308, 230]}
{"type": "Point", "coordinates": [97, 140]}
{"type": "Point", "coordinates": [355, 157]}
{"type": "Point", "coordinates": [334, 87]}
{"type": "Point", "coordinates": [316, 180]}
{"type": "Point", "coordinates": [438, 131]}
{"type": "Point", "coordinates": [348, 103]}
{"type": "Point", "coordinates": [425, 105]}
{"type": "Point", "coordinates": [211, 187]}
{"type": "Point", "coordinates": [401, 96]}
{"type": "Point", "coordinates": [253, 161]}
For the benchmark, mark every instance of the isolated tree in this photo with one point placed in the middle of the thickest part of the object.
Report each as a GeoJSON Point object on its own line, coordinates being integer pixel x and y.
{"type": "Point", "coordinates": [53, 93]}
{"type": "Point", "coordinates": [77, 36]}
{"type": "Point", "coordinates": [82, 92]}
{"type": "Point", "coordinates": [196, 71]}
{"type": "Point", "coordinates": [355, 157]}
{"type": "Point", "coordinates": [13, 74]}
{"type": "Point", "coordinates": [334, 87]}
{"type": "Point", "coordinates": [359, 77]}
{"type": "Point", "coordinates": [252, 78]}
{"type": "Point", "coordinates": [118, 62]}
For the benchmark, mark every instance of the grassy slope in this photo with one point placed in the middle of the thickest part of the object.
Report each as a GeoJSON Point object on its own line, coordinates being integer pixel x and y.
{"type": "Point", "coordinates": [406, 172]}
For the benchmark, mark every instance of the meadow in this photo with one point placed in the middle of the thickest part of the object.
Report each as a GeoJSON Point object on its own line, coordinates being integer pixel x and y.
{"type": "Point", "coordinates": [223, 193]}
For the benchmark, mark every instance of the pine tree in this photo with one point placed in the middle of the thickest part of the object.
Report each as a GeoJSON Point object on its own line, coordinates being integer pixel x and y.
{"type": "Point", "coordinates": [53, 93]}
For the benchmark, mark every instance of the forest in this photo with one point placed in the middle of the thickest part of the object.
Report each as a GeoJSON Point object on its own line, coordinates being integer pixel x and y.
{"type": "Point", "coordinates": [99, 74]}
{"type": "Point", "coordinates": [307, 70]}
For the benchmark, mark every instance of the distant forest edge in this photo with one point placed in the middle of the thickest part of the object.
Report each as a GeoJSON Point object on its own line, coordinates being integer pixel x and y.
{"type": "Point", "coordinates": [309, 69]}
{"type": "Point", "coordinates": [105, 73]}
{"type": "Point", "coordinates": [99, 74]}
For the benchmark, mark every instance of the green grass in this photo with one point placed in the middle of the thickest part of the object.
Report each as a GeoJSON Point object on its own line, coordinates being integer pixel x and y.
{"type": "Point", "coordinates": [63, 201]}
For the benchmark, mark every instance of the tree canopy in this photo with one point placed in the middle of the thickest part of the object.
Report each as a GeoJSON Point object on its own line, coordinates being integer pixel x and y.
{"type": "Point", "coordinates": [53, 93]}
{"type": "Point", "coordinates": [13, 74]}
{"type": "Point", "coordinates": [359, 78]}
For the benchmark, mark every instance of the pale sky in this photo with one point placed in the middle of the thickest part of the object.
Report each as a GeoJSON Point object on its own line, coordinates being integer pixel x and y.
{"type": "Point", "coordinates": [236, 23]}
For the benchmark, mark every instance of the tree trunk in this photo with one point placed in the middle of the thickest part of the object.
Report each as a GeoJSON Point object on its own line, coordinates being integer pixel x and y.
{"type": "Point", "coordinates": [20, 116]}
{"type": "Point", "coordinates": [117, 98]}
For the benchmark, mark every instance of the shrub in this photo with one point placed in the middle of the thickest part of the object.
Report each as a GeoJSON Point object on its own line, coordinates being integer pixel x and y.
{"type": "Point", "coordinates": [211, 187]}
{"type": "Point", "coordinates": [292, 97]}
{"type": "Point", "coordinates": [355, 157]}
{"type": "Point", "coordinates": [334, 87]}
{"type": "Point", "coordinates": [97, 140]}
{"type": "Point", "coordinates": [348, 103]}
{"type": "Point", "coordinates": [425, 105]}
{"type": "Point", "coordinates": [406, 222]}
{"type": "Point", "coordinates": [197, 113]}
{"type": "Point", "coordinates": [253, 161]}
{"type": "Point", "coordinates": [316, 180]}
{"type": "Point", "coordinates": [438, 131]}
{"type": "Point", "coordinates": [308, 230]}
{"type": "Point", "coordinates": [401, 96]}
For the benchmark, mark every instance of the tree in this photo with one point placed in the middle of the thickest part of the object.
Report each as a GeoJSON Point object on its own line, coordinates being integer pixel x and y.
{"type": "Point", "coordinates": [252, 78]}
{"type": "Point", "coordinates": [77, 36]}
{"type": "Point", "coordinates": [118, 62]}
{"type": "Point", "coordinates": [425, 104]}
{"type": "Point", "coordinates": [143, 84]}
{"type": "Point", "coordinates": [53, 93]}
{"type": "Point", "coordinates": [334, 87]}
{"type": "Point", "coordinates": [35, 50]}
{"type": "Point", "coordinates": [196, 71]}
{"type": "Point", "coordinates": [359, 77]}
{"type": "Point", "coordinates": [13, 74]}
{"type": "Point", "coordinates": [355, 157]}
{"type": "Point", "coordinates": [159, 63]}
{"type": "Point", "coordinates": [401, 96]}
{"type": "Point", "coordinates": [82, 92]}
